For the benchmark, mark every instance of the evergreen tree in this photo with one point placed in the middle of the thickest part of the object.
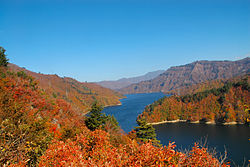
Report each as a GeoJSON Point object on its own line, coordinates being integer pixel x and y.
{"type": "Point", "coordinates": [96, 118]}
{"type": "Point", "coordinates": [146, 132]}
{"type": "Point", "coordinates": [3, 60]}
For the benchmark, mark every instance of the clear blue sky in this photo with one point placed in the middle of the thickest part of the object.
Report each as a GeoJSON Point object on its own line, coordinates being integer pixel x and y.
{"type": "Point", "coordinates": [92, 40]}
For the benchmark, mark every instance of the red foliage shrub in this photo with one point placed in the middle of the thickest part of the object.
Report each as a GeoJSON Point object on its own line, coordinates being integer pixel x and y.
{"type": "Point", "coordinates": [94, 149]}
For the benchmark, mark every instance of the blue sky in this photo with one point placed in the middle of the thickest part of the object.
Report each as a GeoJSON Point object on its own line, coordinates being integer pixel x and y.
{"type": "Point", "coordinates": [93, 40]}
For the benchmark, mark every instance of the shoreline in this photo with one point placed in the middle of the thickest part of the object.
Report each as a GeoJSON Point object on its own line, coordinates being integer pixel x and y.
{"type": "Point", "coordinates": [143, 93]}
{"type": "Point", "coordinates": [118, 104]}
{"type": "Point", "coordinates": [196, 122]}
{"type": "Point", "coordinates": [163, 122]}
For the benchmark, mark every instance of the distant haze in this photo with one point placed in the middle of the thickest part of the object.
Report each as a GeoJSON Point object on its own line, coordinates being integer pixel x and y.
{"type": "Point", "coordinates": [124, 82]}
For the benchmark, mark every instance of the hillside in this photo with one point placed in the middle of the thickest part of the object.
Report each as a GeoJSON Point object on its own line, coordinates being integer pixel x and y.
{"type": "Point", "coordinates": [39, 130]}
{"type": "Point", "coordinates": [80, 95]}
{"type": "Point", "coordinates": [124, 82]}
{"type": "Point", "coordinates": [30, 119]}
{"type": "Point", "coordinates": [194, 73]}
{"type": "Point", "coordinates": [228, 103]}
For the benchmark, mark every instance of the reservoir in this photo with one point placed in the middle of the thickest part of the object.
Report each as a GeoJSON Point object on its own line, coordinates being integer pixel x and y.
{"type": "Point", "coordinates": [234, 138]}
{"type": "Point", "coordinates": [131, 107]}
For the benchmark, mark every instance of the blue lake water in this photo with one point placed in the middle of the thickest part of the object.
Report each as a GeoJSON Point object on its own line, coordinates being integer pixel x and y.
{"type": "Point", "coordinates": [232, 138]}
{"type": "Point", "coordinates": [235, 138]}
{"type": "Point", "coordinates": [131, 107]}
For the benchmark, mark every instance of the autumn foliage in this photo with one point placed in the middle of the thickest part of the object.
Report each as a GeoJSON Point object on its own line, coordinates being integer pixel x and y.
{"type": "Point", "coordinates": [93, 148]}
{"type": "Point", "coordinates": [80, 95]}
{"type": "Point", "coordinates": [38, 130]}
{"type": "Point", "coordinates": [29, 119]}
{"type": "Point", "coordinates": [229, 103]}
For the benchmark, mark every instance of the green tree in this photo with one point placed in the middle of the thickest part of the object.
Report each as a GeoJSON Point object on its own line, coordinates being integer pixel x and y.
{"type": "Point", "coordinates": [3, 60]}
{"type": "Point", "coordinates": [96, 118]}
{"type": "Point", "coordinates": [146, 132]}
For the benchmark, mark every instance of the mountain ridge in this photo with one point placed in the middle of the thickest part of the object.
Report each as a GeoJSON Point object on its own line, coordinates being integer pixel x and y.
{"type": "Point", "coordinates": [188, 74]}
{"type": "Point", "coordinates": [124, 82]}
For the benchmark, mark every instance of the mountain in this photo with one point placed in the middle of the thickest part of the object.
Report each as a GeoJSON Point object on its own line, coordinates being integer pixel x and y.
{"type": "Point", "coordinates": [194, 73]}
{"type": "Point", "coordinates": [80, 95]}
{"type": "Point", "coordinates": [124, 82]}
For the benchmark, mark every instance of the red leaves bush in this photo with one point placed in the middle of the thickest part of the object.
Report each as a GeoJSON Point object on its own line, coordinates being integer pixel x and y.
{"type": "Point", "coordinates": [94, 149]}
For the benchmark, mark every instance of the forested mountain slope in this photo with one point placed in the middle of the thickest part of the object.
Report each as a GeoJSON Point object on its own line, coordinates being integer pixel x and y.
{"type": "Point", "coordinates": [194, 73]}
{"type": "Point", "coordinates": [30, 119]}
{"type": "Point", "coordinates": [228, 103]}
{"type": "Point", "coordinates": [80, 95]}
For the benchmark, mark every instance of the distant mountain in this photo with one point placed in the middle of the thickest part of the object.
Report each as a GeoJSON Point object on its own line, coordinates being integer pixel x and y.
{"type": "Point", "coordinates": [194, 73]}
{"type": "Point", "coordinates": [80, 95]}
{"type": "Point", "coordinates": [124, 82]}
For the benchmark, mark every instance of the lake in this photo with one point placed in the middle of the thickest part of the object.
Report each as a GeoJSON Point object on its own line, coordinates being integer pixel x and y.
{"type": "Point", "coordinates": [131, 107]}
{"type": "Point", "coordinates": [234, 137]}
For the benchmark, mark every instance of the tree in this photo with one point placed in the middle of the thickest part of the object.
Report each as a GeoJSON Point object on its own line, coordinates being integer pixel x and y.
{"type": "Point", "coordinates": [146, 132]}
{"type": "Point", "coordinates": [3, 60]}
{"type": "Point", "coordinates": [96, 118]}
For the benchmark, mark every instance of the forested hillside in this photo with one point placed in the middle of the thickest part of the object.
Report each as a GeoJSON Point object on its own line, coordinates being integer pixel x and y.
{"type": "Point", "coordinates": [228, 103]}
{"type": "Point", "coordinates": [30, 118]}
{"type": "Point", "coordinates": [37, 129]}
{"type": "Point", "coordinates": [80, 95]}
{"type": "Point", "coordinates": [180, 77]}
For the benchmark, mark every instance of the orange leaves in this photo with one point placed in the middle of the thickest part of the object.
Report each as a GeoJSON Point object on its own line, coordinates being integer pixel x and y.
{"type": "Point", "coordinates": [199, 156]}
{"type": "Point", "coordinates": [62, 154]}
{"type": "Point", "coordinates": [220, 105]}
{"type": "Point", "coordinates": [63, 105]}
{"type": "Point", "coordinates": [94, 149]}
{"type": "Point", "coordinates": [155, 156]}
